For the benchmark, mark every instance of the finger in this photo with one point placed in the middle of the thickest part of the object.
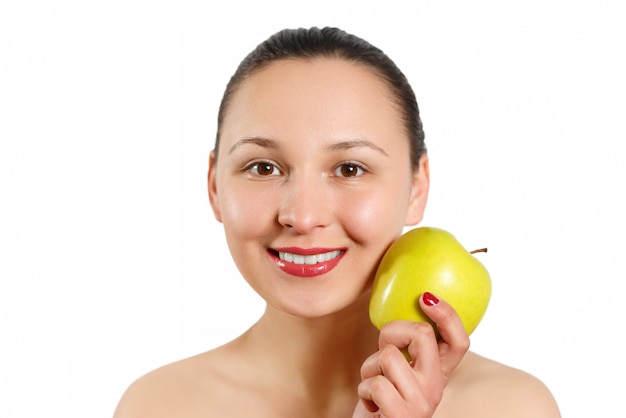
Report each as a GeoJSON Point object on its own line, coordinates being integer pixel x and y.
{"type": "Point", "coordinates": [390, 362]}
{"type": "Point", "coordinates": [418, 338]}
{"type": "Point", "coordinates": [454, 341]}
{"type": "Point", "coordinates": [364, 408]}
{"type": "Point", "coordinates": [425, 370]}
{"type": "Point", "coordinates": [384, 361]}
{"type": "Point", "coordinates": [370, 367]}
{"type": "Point", "coordinates": [402, 334]}
{"type": "Point", "coordinates": [379, 394]}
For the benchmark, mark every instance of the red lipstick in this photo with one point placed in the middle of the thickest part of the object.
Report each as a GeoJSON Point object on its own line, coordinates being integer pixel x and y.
{"type": "Point", "coordinates": [306, 262]}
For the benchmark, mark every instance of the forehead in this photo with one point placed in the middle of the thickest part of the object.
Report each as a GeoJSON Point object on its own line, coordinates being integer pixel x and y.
{"type": "Point", "coordinates": [315, 94]}
{"type": "Point", "coordinates": [321, 71]}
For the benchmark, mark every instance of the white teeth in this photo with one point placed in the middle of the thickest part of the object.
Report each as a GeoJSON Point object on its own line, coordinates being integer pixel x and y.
{"type": "Point", "coordinates": [308, 259]}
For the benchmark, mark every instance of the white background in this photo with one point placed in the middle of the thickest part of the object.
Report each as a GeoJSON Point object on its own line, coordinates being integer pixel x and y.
{"type": "Point", "coordinates": [111, 263]}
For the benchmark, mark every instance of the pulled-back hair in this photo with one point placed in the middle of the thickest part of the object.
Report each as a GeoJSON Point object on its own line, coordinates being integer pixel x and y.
{"type": "Point", "coordinates": [332, 43]}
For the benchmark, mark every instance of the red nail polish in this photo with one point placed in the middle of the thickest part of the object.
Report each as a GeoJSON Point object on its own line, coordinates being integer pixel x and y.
{"type": "Point", "coordinates": [430, 299]}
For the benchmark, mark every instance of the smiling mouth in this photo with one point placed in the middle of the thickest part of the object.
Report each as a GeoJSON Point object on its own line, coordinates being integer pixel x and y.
{"type": "Point", "coordinates": [309, 262]}
{"type": "Point", "coordinates": [308, 259]}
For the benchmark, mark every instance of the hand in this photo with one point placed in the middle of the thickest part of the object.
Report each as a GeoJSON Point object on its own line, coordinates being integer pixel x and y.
{"type": "Point", "coordinates": [393, 387]}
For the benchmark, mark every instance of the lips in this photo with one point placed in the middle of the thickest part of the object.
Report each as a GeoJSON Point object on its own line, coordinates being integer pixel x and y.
{"type": "Point", "coordinates": [308, 262]}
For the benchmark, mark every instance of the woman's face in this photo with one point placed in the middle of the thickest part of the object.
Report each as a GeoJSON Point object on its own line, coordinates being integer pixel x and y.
{"type": "Point", "coordinates": [313, 182]}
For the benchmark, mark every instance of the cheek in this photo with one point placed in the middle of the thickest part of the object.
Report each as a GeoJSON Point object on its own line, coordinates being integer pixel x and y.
{"type": "Point", "coordinates": [246, 213]}
{"type": "Point", "coordinates": [377, 217]}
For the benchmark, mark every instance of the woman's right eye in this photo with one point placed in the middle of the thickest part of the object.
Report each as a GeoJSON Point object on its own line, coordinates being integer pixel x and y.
{"type": "Point", "coordinates": [263, 169]}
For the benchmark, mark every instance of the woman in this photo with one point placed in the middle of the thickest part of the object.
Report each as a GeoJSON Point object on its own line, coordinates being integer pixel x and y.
{"type": "Point", "coordinates": [319, 164]}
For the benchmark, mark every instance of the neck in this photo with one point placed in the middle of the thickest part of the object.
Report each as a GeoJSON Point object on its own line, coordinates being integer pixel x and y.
{"type": "Point", "coordinates": [318, 358]}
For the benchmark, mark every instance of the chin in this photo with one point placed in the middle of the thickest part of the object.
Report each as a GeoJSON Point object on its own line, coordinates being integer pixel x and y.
{"type": "Point", "coordinates": [321, 306]}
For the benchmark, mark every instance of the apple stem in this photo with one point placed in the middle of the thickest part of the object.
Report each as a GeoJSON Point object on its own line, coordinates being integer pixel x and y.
{"type": "Point", "coordinates": [480, 250]}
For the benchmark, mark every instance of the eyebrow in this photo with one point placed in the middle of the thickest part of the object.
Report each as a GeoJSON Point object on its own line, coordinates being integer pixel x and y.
{"type": "Point", "coordinates": [343, 145]}
{"type": "Point", "coordinates": [357, 143]}
{"type": "Point", "coordinates": [262, 142]}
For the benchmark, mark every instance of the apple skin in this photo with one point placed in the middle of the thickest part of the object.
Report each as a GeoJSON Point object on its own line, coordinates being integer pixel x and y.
{"type": "Point", "coordinates": [428, 259]}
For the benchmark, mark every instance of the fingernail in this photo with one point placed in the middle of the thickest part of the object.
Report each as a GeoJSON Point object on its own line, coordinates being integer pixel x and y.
{"type": "Point", "coordinates": [430, 299]}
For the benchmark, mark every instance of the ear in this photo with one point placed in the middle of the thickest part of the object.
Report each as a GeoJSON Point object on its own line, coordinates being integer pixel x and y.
{"type": "Point", "coordinates": [419, 193]}
{"type": "Point", "coordinates": [212, 185]}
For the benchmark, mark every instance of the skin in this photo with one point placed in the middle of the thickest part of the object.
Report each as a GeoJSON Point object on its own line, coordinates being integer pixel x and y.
{"type": "Point", "coordinates": [313, 155]}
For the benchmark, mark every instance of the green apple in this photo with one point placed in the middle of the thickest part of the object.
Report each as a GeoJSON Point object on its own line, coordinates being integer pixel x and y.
{"type": "Point", "coordinates": [432, 260]}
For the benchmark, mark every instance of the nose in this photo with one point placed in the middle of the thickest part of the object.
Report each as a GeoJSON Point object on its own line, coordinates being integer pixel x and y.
{"type": "Point", "coordinates": [305, 204]}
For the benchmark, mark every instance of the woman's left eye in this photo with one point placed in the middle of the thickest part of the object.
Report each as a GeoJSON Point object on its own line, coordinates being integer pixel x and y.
{"type": "Point", "coordinates": [349, 170]}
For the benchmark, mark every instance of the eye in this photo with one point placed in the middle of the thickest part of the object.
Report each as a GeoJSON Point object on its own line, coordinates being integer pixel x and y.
{"type": "Point", "coordinates": [349, 170]}
{"type": "Point", "coordinates": [263, 169]}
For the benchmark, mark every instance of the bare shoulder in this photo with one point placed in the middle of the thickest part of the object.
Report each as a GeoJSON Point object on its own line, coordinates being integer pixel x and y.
{"type": "Point", "coordinates": [174, 389]}
{"type": "Point", "coordinates": [492, 389]}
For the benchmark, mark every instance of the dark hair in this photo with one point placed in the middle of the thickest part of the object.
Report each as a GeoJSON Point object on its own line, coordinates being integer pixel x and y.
{"type": "Point", "coordinates": [331, 43]}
